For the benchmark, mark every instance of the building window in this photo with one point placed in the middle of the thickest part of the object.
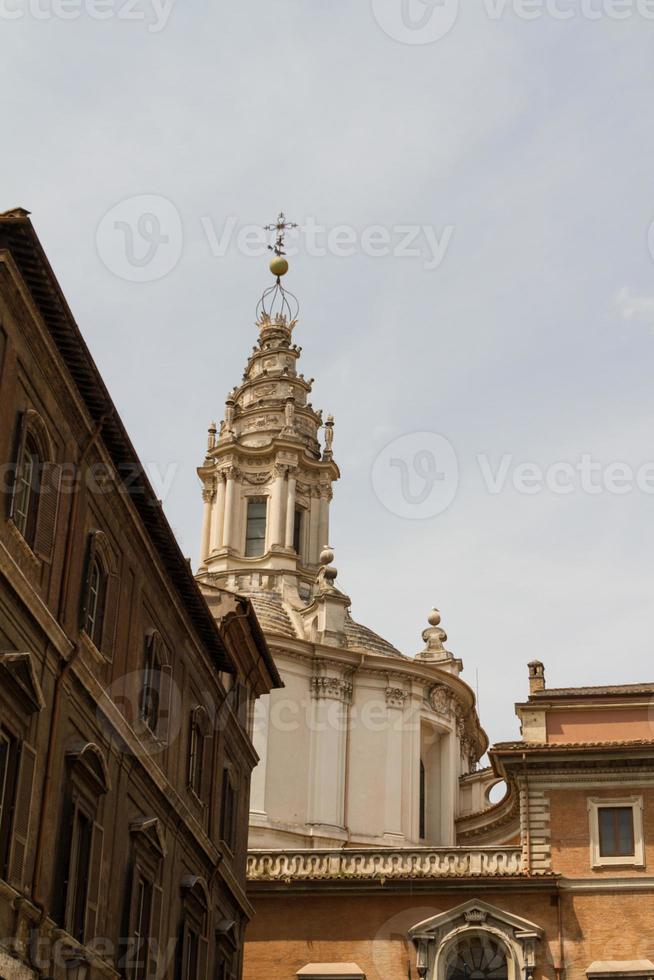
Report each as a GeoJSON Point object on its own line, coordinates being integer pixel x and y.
{"type": "Point", "coordinates": [27, 489]}
{"type": "Point", "coordinates": [297, 531]}
{"type": "Point", "coordinates": [616, 832]}
{"type": "Point", "coordinates": [97, 593]}
{"type": "Point", "coordinates": [228, 810]}
{"type": "Point", "coordinates": [477, 957]}
{"type": "Point", "coordinates": [142, 927]}
{"type": "Point", "coordinates": [34, 500]}
{"type": "Point", "coordinates": [100, 594]}
{"type": "Point", "coordinates": [8, 771]}
{"type": "Point", "coordinates": [198, 734]}
{"type": "Point", "coordinates": [143, 913]}
{"type": "Point", "coordinates": [255, 536]}
{"type": "Point", "coordinates": [193, 935]}
{"type": "Point", "coordinates": [151, 689]}
{"type": "Point", "coordinates": [77, 883]}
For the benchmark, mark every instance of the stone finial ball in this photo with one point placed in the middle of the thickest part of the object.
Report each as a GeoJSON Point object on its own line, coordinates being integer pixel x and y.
{"type": "Point", "coordinates": [326, 555]}
{"type": "Point", "coordinates": [278, 266]}
{"type": "Point", "coordinates": [434, 618]}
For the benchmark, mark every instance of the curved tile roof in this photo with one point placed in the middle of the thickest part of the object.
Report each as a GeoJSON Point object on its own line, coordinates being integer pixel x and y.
{"type": "Point", "coordinates": [362, 638]}
{"type": "Point", "coordinates": [271, 614]}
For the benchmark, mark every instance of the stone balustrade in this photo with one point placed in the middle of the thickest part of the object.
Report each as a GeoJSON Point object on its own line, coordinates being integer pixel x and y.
{"type": "Point", "coordinates": [382, 864]}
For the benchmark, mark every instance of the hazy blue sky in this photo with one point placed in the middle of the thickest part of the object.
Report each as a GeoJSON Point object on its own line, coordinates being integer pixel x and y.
{"type": "Point", "coordinates": [525, 147]}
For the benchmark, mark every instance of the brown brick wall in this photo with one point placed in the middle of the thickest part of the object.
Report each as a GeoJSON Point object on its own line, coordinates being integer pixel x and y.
{"type": "Point", "coordinates": [570, 830]}
{"type": "Point", "coordinates": [289, 932]}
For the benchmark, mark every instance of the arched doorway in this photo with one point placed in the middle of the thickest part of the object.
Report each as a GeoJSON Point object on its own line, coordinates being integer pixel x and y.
{"type": "Point", "coordinates": [476, 956]}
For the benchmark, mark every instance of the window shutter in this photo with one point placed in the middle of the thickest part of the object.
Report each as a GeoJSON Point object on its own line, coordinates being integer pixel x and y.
{"type": "Point", "coordinates": [93, 894]}
{"type": "Point", "coordinates": [84, 605]}
{"type": "Point", "coordinates": [21, 816]}
{"type": "Point", "coordinates": [112, 596]}
{"type": "Point", "coordinates": [10, 489]}
{"type": "Point", "coordinates": [164, 726]}
{"type": "Point", "coordinates": [46, 520]}
{"type": "Point", "coordinates": [203, 956]}
{"type": "Point", "coordinates": [157, 945]}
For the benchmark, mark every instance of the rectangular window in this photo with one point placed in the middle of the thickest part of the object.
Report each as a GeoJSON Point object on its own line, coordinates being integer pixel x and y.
{"type": "Point", "coordinates": [83, 831]}
{"type": "Point", "coordinates": [227, 810]}
{"type": "Point", "coordinates": [297, 532]}
{"type": "Point", "coordinates": [192, 954]}
{"type": "Point", "coordinates": [143, 915]}
{"type": "Point", "coordinates": [151, 691]}
{"type": "Point", "coordinates": [616, 831]}
{"type": "Point", "coordinates": [255, 537]}
{"type": "Point", "coordinates": [9, 751]}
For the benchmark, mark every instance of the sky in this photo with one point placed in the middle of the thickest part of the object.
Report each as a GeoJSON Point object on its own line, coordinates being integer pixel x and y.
{"type": "Point", "coordinates": [475, 271]}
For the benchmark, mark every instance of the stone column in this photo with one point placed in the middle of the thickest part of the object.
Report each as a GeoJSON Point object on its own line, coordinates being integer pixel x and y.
{"type": "Point", "coordinates": [230, 508]}
{"type": "Point", "coordinates": [290, 509]}
{"type": "Point", "coordinates": [207, 497]}
{"type": "Point", "coordinates": [276, 534]}
{"type": "Point", "coordinates": [323, 518]}
{"type": "Point", "coordinates": [330, 697]}
{"type": "Point", "coordinates": [314, 519]}
{"type": "Point", "coordinates": [218, 520]}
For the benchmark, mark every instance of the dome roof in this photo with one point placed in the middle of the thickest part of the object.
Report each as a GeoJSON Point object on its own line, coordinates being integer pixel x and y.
{"type": "Point", "coordinates": [275, 618]}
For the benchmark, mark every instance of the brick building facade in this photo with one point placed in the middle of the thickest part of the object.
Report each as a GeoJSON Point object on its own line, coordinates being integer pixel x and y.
{"type": "Point", "coordinates": [555, 881]}
{"type": "Point", "coordinates": [125, 702]}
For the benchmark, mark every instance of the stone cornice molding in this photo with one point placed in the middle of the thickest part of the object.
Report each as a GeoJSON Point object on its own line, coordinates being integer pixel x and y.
{"type": "Point", "coordinates": [383, 864]}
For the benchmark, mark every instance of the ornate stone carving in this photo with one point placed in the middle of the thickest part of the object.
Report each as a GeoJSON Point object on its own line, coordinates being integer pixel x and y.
{"type": "Point", "coordinates": [355, 863]}
{"type": "Point", "coordinates": [333, 688]}
{"type": "Point", "coordinates": [439, 699]}
{"type": "Point", "coordinates": [476, 915]}
{"type": "Point", "coordinates": [396, 697]}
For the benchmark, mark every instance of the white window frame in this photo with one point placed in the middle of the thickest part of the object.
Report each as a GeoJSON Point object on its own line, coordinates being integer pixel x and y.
{"type": "Point", "coordinates": [637, 859]}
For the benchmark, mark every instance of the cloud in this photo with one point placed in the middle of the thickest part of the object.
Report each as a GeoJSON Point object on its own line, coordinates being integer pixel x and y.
{"type": "Point", "coordinates": [638, 309]}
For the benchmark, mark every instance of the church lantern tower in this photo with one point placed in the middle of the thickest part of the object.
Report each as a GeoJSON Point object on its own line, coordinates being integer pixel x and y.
{"type": "Point", "coordinates": [268, 473]}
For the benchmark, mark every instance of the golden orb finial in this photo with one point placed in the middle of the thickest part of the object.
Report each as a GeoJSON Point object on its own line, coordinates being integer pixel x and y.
{"type": "Point", "coordinates": [278, 266]}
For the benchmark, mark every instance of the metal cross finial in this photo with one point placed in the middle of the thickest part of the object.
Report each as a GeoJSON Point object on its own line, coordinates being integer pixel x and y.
{"type": "Point", "coordinates": [281, 227]}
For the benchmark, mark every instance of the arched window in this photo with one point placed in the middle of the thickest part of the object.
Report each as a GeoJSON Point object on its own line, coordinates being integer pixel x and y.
{"type": "Point", "coordinates": [34, 499]}
{"type": "Point", "coordinates": [479, 956]}
{"type": "Point", "coordinates": [97, 592]}
{"type": "Point", "coordinates": [100, 594]}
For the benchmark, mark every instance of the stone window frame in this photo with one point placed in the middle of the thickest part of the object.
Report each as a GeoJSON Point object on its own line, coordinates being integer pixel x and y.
{"type": "Point", "coordinates": [637, 860]}
{"type": "Point", "coordinates": [148, 857]}
{"type": "Point", "coordinates": [37, 540]}
{"type": "Point", "coordinates": [100, 553]}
